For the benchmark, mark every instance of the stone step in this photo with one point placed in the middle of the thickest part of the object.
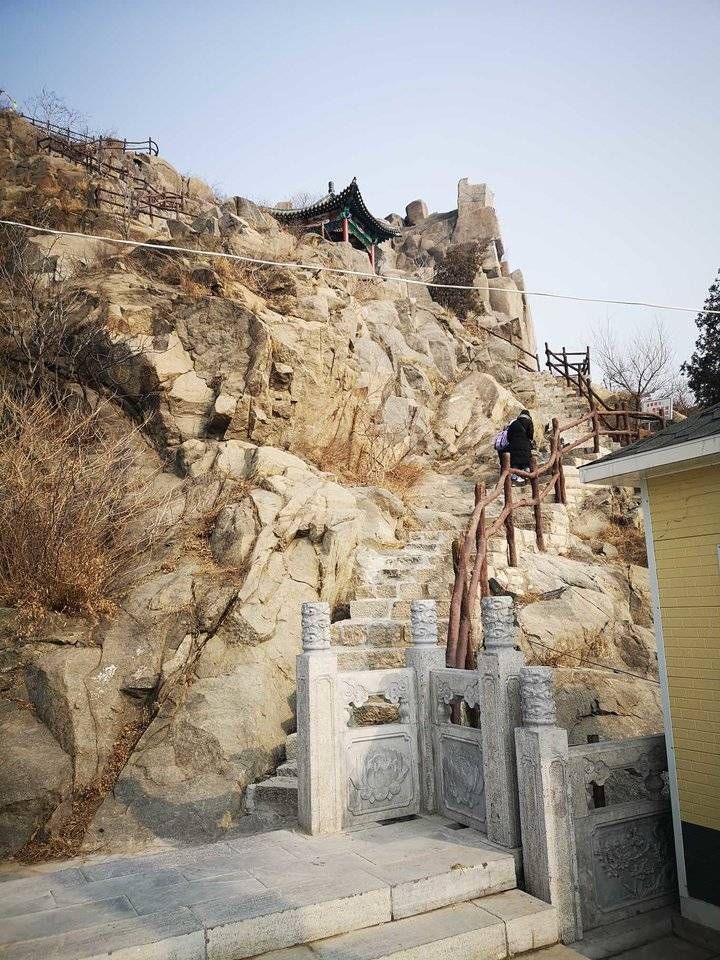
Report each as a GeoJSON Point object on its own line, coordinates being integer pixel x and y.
{"type": "Point", "coordinates": [291, 747]}
{"type": "Point", "coordinates": [287, 769]}
{"type": "Point", "coordinates": [371, 608]}
{"type": "Point", "coordinates": [277, 795]}
{"type": "Point", "coordinates": [490, 928]}
{"type": "Point", "coordinates": [370, 633]}
{"type": "Point", "coordinates": [401, 608]}
{"type": "Point", "coordinates": [370, 658]}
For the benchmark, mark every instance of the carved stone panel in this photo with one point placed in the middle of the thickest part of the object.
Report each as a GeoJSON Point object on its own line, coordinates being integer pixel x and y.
{"type": "Point", "coordinates": [382, 775]}
{"type": "Point", "coordinates": [463, 785]}
{"type": "Point", "coordinates": [633, 861]}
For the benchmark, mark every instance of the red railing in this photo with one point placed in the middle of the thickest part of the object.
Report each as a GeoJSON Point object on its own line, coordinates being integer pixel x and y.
{"type": "Point", "coordinates": [471, 581]}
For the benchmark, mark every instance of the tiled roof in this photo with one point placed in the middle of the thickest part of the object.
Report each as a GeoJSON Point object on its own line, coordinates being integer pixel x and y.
{"type": "Point", "coordinates": [706, 423]}
{"type": "Point", "coordinates": [334, 203]}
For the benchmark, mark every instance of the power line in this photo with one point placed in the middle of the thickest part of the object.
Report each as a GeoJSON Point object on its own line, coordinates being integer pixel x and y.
{"type": "Point", "coordinates": [320, 268]}
{"type": "Point", "coordinates": [593, 663]}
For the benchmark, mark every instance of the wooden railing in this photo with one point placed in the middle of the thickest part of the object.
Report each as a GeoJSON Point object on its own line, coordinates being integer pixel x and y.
{"type": "Point", "coordinates": [544, 479]}
{"type": "Point", "coordinates": [148, 146]}
{"type": "Point", "coordinates": [576, 373]}
{"type": "Point", "coordinates": [513, 343]}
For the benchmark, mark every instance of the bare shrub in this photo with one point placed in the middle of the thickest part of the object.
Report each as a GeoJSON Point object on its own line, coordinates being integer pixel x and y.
{"type": "Point", "coordinates": [48, 337]}
{"type": "Point", "coordinates": [75, 505]}
{"type": "Point", "coordinates": [460, 265]}
{"type": "Point", "coordinates": [370, 456]}
{"type": "Point", "coordinates": [51, 108]}
{"type": "Point", "coordinates": [629, 541]}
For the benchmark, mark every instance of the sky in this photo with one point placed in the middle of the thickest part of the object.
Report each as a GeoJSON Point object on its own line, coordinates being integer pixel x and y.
{"type": "Point", "coordinates": [594, 123]}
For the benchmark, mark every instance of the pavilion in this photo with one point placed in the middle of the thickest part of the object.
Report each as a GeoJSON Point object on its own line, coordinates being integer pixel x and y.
{"type": "Point", "coordinates": [340, 217]}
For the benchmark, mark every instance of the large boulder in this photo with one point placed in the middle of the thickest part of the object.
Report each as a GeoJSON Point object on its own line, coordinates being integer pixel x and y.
{"type": "Point", "coordinates": [35, 776]}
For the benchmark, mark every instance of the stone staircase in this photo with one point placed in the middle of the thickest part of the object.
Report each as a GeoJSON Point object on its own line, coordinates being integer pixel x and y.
{"type": "Point", "coordinates": [374, 637]}
{"type": "Point", "coordinates": [415, 890]}
{"type": "Point", "coordinates": [378, 629]}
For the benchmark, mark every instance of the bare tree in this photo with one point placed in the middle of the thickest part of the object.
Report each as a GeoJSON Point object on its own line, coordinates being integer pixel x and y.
{"type": "Point", "coordinates": [640, 364]}
{"type": "Point", "coordinates": [51, 108]}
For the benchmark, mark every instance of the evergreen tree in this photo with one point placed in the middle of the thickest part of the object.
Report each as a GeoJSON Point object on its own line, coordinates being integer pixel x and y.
{"type": "Point", "coordinates": [703, 368]}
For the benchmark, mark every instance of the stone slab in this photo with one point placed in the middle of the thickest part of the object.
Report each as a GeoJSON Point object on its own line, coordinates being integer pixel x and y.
{"type": "Point", "coordinates": [614, 938]}
{"type": "Point", "coordinates": [529, 923]}
{"type": "Point", "coordinates": [244, 927]}
{"type": "Point", "coordinates": [174, 935]}
{"type": "Point", "coordinates": [197, 891]}
{"type": "Point", "coordinates": [88, 891]}
{"type": "Point", "coordinates": [462, 932]}
{"type": "Point", "coordinates": [30, 888]}
{"type": "Point", "coordinates": [443, 877]}
{"type": "Point", "coordinates": [44, 902]}
{"type": "Point", "coordinates": [321, 870]}
{"type": "Point", "coordinates": [44, 923]}
{"type": "Point", "coordinates": [669, 948]}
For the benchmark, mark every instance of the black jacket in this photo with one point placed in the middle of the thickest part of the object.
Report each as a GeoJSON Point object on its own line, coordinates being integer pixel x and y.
{"type": "Point", "coordinates": [520, 436]}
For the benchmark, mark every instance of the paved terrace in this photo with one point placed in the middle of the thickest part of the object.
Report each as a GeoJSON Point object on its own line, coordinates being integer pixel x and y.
{"type": "Point", "coordinates": [369, 891]}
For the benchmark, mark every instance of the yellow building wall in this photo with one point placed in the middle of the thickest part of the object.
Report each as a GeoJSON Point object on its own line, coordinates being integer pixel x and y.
{"type": "Point", "coordinates": [685, 511]}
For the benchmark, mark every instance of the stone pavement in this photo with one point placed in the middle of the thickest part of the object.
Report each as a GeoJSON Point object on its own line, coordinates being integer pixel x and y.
{"type": "Point", "coordinates": [365, 894]}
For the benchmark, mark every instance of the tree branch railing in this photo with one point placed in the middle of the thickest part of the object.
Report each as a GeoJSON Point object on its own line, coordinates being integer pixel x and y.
{"type": "Point", "coordinates": [577, 375]}
{"type": "Point", "coordinates": [148, 146]}
{"type": "Point", "coordinates": [544, 479]}
{"type": "Point", "coordinates": [521, 349]}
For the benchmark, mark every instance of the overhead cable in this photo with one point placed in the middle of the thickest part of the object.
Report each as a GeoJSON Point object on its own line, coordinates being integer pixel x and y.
{"type": "Point", "coordinates": [320, 268]}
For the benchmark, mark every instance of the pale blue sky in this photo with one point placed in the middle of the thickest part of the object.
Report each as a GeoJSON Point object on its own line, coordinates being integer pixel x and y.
{"type": "Point", "coordinates": [595, 123]}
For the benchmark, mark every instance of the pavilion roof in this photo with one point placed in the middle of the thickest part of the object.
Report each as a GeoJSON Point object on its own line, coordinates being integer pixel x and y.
{"type": "Point", "coordinates": [332, 205]}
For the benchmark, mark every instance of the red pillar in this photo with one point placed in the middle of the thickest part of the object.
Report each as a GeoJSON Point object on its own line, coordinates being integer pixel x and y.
{"type": "Point", "coordinates": [372, 256]}
{"type": "Point", "coordinates": [346, 230]}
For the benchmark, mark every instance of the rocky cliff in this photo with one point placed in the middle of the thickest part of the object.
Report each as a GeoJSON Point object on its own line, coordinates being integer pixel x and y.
{"type": "Point", "coordinates": [295, 427]}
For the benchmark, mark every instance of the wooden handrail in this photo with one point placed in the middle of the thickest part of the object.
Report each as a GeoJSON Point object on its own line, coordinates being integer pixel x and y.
{"type": "Point", "coordinates": [478, 534]}
{"type": "Point", "coordinates": [517, 346]}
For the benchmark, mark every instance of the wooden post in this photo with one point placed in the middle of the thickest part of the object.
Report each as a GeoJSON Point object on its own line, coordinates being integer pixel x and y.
{"type": "Point", "coordinates": [565, 366]}
{"type": "Point", "coordinates": [479, 537]}
{"type": "Point", "coordinates": [345, 230]}
{"type": "Point", "coordinates": [547, 356]}
{"type": "Point", "coordinates": [560, 496]}
{"type": "Point", "coordinates": [596, 432]}
{"type": "Point", "coordinates": [509, 522]}
{"type": "Point", "coordinates": [537, 509]}
{"type": "Point", "coordinates": [372, 256]}
{"type": "Point", "coordinates": [561, 478]}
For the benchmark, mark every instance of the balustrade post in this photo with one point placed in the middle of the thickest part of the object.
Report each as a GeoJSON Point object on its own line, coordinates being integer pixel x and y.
{"type": "Point", "coordinates": [318, 730]}
{"type": "Point", "coordinates": [545, 799]}
{"type": "Point", "coordinates": [499, 668]}
{"type": "Point", "coordinates": [509, 522]}
{"type": "Point", "coordinates": [537, 507]}
{"type": "Point", "coordinates": [423, 656]}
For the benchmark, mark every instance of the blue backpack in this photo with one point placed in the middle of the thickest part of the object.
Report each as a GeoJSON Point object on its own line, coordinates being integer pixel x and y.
{"type": "Point", "coordinates": [502, 445]}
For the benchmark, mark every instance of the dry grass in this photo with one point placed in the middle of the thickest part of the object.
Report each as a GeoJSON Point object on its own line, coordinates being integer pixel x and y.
{"type": "Point", "coordinates": [365, 461]}
{"type": "Point", "coordinates": [594, 648]}
{"type": "Point", "coordinates": [629, 541]}
{"type": "Point", "coordinates": [75, 505]}
{"type": "Point", "coordinates": [67, 841]}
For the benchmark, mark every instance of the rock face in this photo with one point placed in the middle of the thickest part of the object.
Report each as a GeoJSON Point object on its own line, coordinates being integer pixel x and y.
{"type": "Point", "coordinates": [301, 427]}
{"type": "Point", "coordinates": [426, 240]}
{"type": "Point", "coordinates": [35, 777]}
